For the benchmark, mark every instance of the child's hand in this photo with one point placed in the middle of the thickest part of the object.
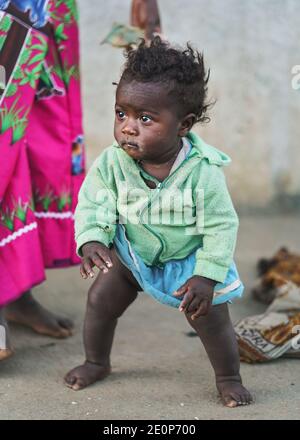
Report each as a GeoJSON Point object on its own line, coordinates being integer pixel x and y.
{"type": "Point", "coordinates": [198, 295]}
{"type": "Point", "coordinates": [94, 254]}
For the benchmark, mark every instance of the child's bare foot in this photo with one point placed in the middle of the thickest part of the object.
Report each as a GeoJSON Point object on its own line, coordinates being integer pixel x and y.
{"type": "Point", "coordinates": [233, 393]}
{"type": "Point", "coordinates": [85, 375]}
{"type": "Point", "coordinates": [27, 311]}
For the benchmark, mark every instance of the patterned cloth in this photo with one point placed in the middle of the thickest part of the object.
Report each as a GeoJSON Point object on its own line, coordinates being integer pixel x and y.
{"type": "Point", "coordinates": [41, 141]}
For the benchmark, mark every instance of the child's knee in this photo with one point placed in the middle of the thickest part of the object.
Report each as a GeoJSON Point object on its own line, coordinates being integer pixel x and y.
{"type": "Point", "coordinates": [103, 303]}
{"type": "Point", "coordinates": [216, 318]}
{"type": "Point", "coordinates": [99, 300]}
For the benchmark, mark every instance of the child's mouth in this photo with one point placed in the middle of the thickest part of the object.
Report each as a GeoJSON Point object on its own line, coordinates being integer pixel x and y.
{"type": "Point", "coordinates": [129, 145]}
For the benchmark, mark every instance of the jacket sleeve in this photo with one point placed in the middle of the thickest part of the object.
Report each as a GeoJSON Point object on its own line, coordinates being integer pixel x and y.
{"type": "Point", "coordinates": [218, 223]}
{"type": "Point", "coordinates": [96, 211]}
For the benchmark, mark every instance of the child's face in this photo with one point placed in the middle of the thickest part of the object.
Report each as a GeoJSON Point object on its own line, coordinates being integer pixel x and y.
{"type": "Point", "coordinates": [147, 125]}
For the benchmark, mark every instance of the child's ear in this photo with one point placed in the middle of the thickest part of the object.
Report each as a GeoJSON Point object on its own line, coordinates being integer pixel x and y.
{"type": "Point", "coordinates": [186, 124]}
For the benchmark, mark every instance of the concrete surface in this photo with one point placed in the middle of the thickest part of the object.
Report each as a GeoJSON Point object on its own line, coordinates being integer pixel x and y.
{"type": "Point", "coordinates": [251, 48]}
{"type": "Point", "coordinates": [158, 372]}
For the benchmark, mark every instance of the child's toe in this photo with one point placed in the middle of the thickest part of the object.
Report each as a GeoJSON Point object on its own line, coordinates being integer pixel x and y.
{"type": "Point", "coordinates": [242, 399]}
{"type": "Point", "coordinates": [229, 402]}
{"type": "Point", "coordinates": [249, 398]}
{"type": "Point", "coordinates": [79, 384]}
{"type": "Point", "coordinates": [70, 379]}
{"type": "Point", "coordinates": [232, 400]}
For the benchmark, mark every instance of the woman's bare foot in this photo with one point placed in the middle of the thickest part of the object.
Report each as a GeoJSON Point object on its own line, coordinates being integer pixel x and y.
{"type": "Point", "coordinates": [85, 375]}
{"type": "Point", "coordinates": [233, 393]}
{"type": "Point", "coordinates": [27, 311]}
{"type": "Point", "coordinates": [5, 348]}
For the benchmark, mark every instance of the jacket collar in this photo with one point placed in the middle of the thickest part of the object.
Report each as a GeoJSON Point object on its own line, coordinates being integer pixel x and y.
{"type": "Point", "coordinates": [206, 151]}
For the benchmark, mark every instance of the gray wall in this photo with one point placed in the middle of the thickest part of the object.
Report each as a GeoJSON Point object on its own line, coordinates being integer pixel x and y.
{"type": "Point", "coordinates": [251, 47]}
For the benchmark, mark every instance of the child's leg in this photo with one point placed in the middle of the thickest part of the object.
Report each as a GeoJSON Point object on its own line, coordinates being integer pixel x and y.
{"type": "Point", "coordinates": [108, 298]}
{"type": "Point", "coordinates": [5, 348]}
{"type": "Point", "coordinates": [217, 335]}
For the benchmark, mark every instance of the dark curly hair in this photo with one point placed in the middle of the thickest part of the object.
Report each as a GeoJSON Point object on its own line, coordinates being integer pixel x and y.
{"type": "Point", "coordinates": [181, 71]}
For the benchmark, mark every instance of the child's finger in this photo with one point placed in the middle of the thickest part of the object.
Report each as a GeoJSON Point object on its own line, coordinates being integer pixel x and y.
{"type": "Point", "coordinates": [181, 291]}
{"type": "Point", "coordinates": [202, 310]}
{"type": "Point", "coordinates": [99, 263]}
{"type": "Point", "coordinates": [188, 297]}
{"type": "Point", "coordinates": [87, 265]}
{"type": "Point", "coordinates": [193, 305]}
{"type": "Point", "coordinates": [83, 272]}
{"type": "Point", "coordinates": [106, 258]}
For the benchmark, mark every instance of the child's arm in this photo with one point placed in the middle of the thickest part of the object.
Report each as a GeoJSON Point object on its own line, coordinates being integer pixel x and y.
{"type": "Point", "coordinates": [219, 229]}
{"type": "Point", "coordinates": [95, 221]}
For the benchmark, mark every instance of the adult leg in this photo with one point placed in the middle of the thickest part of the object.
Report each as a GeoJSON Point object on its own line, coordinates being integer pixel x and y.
{"type": "Point", "coordinates": [53, 179]}
{"type": "Point", "coordinates": [217, 335]}
{"type": "Point", "coordinates": [21, 261]}
{"type": "Point", "coordinates": [108, 298]}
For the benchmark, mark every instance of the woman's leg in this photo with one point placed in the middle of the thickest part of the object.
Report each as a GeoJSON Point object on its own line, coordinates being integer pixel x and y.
{"type": "Point", "coordinates": [21, 260]}
{"type": "Point", "coordinates": [29, 312]}
{"type": "Point", "coordinates": [217, 335]}
{"type": "Point", "coordinates": [108, 298]}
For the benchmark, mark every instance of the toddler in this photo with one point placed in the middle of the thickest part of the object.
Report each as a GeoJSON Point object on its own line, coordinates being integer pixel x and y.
{"type": "Point", "coordinates": [154, 215]}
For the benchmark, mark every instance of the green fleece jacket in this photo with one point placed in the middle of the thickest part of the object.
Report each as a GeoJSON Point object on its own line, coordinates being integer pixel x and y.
{"type": "Point", "coordinates": [191, 209]}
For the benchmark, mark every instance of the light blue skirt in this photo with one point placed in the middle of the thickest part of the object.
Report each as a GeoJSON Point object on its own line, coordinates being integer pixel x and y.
{"type": "Point", "coordinates": [161, 283]}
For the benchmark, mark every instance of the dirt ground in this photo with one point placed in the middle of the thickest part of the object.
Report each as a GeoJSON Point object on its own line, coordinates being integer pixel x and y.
{"type": "Point", "coordinates": [158, 371]}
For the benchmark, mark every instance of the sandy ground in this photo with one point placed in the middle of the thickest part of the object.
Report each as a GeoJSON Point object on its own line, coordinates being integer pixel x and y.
{"type": "Point", "coordinates": [158, 372]}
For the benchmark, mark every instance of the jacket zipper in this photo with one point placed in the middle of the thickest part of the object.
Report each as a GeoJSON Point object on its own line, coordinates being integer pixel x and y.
{"type": "Point", "coordinates": [160, 185]}
{"type": "Point", "coordinates": [156, 258]}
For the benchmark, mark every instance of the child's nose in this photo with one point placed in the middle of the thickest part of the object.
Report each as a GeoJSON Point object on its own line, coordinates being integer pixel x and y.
{"type": "Point", "coordinates": [130, 129]}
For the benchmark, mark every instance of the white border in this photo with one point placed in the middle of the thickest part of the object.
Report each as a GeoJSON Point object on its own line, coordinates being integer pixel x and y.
{"type": "Point", "coordinates": [56, 215]}
{"type": "Point", "coordinates": [18, 233]}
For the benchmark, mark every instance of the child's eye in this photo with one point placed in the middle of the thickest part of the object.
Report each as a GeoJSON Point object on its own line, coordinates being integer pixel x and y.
{"type": "Point", "coordinates": [145, 118]}
{"type": "Point", "coordinates": [120, 114]}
